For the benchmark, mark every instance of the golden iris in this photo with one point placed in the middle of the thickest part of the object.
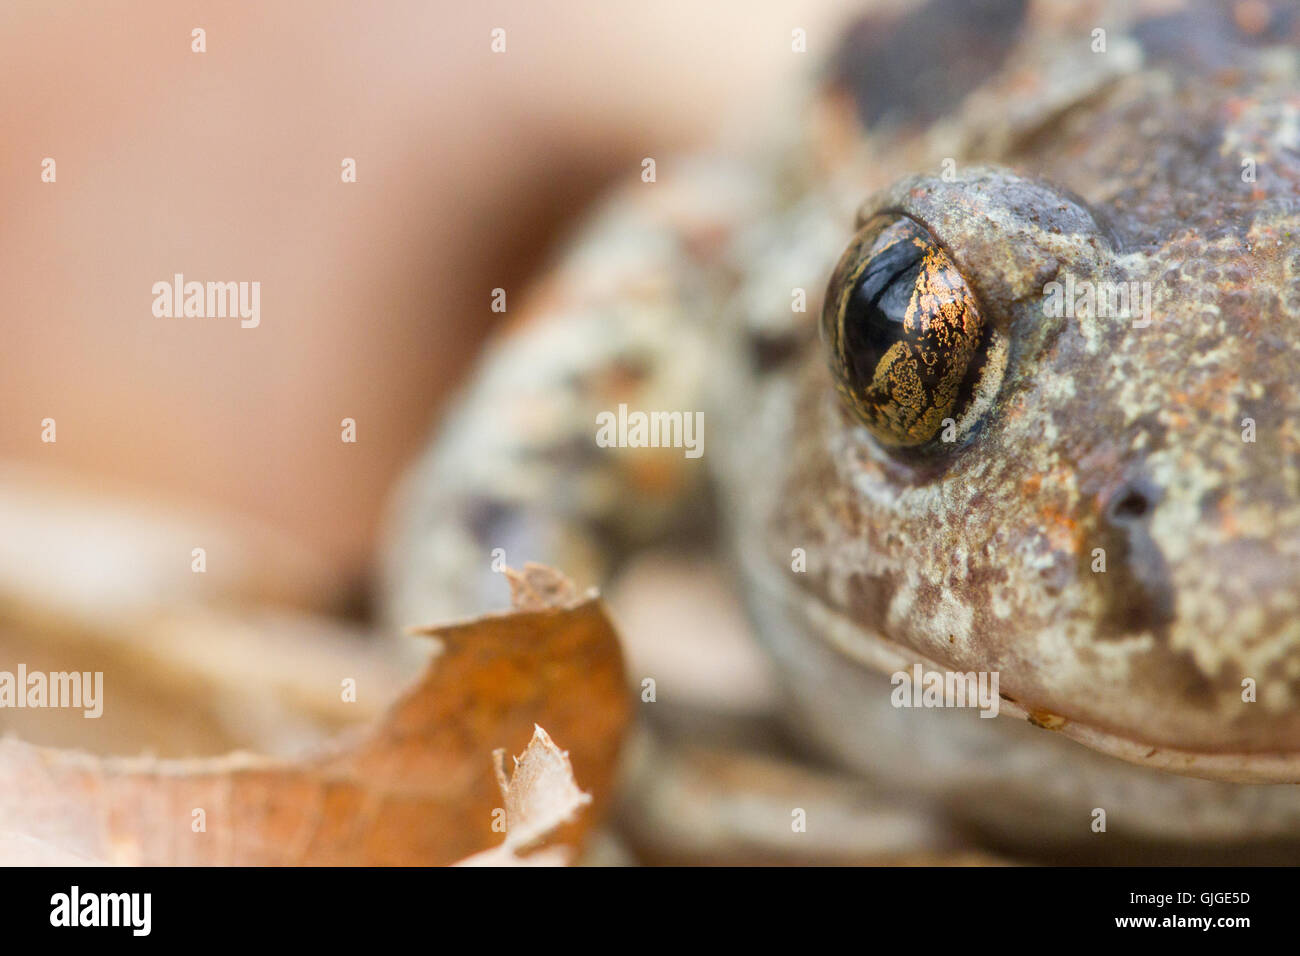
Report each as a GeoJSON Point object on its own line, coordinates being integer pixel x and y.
{"type": "Point", "coordinates": [904, 332]}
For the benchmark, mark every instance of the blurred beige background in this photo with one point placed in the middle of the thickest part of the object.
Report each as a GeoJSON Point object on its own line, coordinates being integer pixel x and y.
{"type": "Point", "coordinates": [225, 166]}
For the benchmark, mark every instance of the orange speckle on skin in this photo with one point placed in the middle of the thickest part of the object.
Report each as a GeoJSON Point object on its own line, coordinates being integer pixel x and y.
{"type": "Point", "coordinates": [1227, 509]}
{"type": "Point", "coordinates": [1206, 396]}
{"type": "Point", "coordinates": [1062, 531]}
{"type": "Point", "coordinates": [1045, 719]}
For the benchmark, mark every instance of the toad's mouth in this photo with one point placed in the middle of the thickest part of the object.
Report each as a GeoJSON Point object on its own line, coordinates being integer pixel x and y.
{"type": "Point", "coordinates": [874, 652]}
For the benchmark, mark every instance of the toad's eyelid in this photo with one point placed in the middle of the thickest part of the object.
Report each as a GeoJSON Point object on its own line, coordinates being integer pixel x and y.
{"type": "Point", "coordinates": [878, 204]}
{"type": "Point", "coordinates": [1007, 234]}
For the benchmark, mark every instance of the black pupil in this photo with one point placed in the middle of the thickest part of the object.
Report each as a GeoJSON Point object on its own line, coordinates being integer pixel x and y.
{"type": "Point", "coordinates": [874, 313]}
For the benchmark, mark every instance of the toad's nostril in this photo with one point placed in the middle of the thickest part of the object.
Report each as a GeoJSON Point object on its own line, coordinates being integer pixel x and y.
{"type": "Point", "coordinates": [1132, 505]}
{"type": "Point", "coordinates": [1132, 502]}
{"type": "Point", "coordinates": [1137, 591]}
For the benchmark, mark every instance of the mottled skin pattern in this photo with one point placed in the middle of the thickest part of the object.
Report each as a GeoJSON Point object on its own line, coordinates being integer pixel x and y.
{"type": "Point", "coordinates": [1104, 167]}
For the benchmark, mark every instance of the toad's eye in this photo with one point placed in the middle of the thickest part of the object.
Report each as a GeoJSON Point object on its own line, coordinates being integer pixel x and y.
{"type": "Point", "coordinates": [908, 344]}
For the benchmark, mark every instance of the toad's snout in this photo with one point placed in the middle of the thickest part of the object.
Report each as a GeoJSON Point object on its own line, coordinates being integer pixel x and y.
{"type": "Point", "coordinates": [1203, 586]}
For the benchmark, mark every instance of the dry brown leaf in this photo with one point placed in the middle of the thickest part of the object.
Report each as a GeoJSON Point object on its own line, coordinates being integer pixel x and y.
{"type": "Point", "coordinates": [541, 797]}
{"type": "Point", "coordinates": [504, 856]}
{"type": "Point", "coordinates": [415, 789]}
{"type": "Point", "coordinates": [537, 587]}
